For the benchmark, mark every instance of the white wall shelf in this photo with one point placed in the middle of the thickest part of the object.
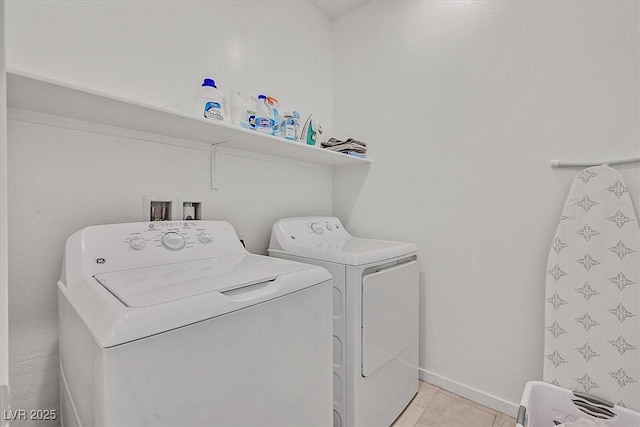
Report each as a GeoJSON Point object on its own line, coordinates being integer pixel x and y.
{"type": "Point", "coordinates": [31, 93]}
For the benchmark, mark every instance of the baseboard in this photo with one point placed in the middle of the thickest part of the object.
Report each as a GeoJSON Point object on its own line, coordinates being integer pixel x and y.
{"type": "Point", "coordinates": [470, 393]}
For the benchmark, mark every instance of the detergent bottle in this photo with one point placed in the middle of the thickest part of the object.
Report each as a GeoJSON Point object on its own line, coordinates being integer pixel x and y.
{"type": "Point", "coordinates": [265, 122]}
{"type": "Point", "coordinates": [211, 103]}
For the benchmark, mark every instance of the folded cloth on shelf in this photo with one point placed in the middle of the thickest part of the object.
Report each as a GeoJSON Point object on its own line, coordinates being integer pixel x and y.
{"type": "Point", "coordinates": [332, 142]}
{"type": "Point", "coordinates": [348, 147]}
{"type": "Point", "coordinates": [354, 153]}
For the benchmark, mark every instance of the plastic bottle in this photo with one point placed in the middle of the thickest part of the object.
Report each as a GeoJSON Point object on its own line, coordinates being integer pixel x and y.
{"type": "Point", "coordinates": [251, 113]}
{"type": "Point", "coordinates": [296, 124]}
{"type": "Point", "coordinates": [274, 104]}
{"type": "Point", "coordinates": [264, 116]}
{"type": "Point", "coordinates": [211, 103]}
{"type": "Point", "coordinates": [242, 111]}
{"type": "Point", "coordinates": [289, 127]}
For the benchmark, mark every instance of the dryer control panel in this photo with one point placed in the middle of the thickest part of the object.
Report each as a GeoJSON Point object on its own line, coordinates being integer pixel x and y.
{"type": "Point", "coordinates": [319, 231]}
{"type": "Point", "coordinates": [311, 229]}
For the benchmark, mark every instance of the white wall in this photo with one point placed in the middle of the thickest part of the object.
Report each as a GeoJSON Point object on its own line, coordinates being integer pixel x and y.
{"type": "Point", "coordinates": [64, 175]}
{"type": "Point", "coordinates": [158, 53]}
{"type": "Point", "coordinates": [463, 105]}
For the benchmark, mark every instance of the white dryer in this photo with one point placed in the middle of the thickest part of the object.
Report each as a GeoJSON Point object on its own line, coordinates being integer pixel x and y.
{"type": "Point", "coordinates": [375, 315]}
{"type": "Point", "coordinates": [176, 324]}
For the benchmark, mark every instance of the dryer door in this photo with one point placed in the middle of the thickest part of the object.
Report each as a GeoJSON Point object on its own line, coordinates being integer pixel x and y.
{"type": "Point", "coordinates": [389, 314]}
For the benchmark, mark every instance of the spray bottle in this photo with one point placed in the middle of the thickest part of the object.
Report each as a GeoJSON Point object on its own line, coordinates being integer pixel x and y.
{"type": "Point", "coordinates": [275, 112]}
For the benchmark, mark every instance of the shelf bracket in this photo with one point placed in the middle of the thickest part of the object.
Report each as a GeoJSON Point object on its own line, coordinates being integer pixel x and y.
{"type": "Point", "coordinates": [214, 168]}
{"type": "Point", "coordinates": [214, 164]}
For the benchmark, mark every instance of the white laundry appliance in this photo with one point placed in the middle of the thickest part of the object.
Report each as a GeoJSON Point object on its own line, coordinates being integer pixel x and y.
{"type": "Point", "coordinates": [375, 315]}
{"type": "Point", "coordinates": [176, 324]}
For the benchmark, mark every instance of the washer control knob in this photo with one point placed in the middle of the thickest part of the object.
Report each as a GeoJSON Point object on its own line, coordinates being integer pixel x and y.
{"type": "Point", "coordinates": [316, 228]}
{"type": "Point", "coordinates": [173, 241]}
{"type": "Point", "coordinates": [329, 227]}
{"type": "Point", "coordinates": [204, 237]}
{"type": "Point", "coordinates": [137, 243]}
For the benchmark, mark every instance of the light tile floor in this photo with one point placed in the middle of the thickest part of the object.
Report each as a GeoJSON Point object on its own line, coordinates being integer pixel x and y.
{"type": "Point", "coordinates": [435, 407]}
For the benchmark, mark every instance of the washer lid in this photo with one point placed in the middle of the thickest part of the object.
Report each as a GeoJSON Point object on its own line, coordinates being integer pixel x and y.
{"type": "Point", "coordinates": [128, 305]}
{"type": "Point", "coordinates": [147, 286]}
{"type": "Point", "coordinates": [350, 251]}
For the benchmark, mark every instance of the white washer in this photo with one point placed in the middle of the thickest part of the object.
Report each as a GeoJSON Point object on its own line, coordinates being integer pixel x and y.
{"type": "Point", "coordinates": [375, 315]}
{"type": "Point", "coordinates": [175, 323]}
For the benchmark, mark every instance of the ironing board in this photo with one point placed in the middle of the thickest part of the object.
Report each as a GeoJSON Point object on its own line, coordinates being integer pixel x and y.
{"type": "Point", "coordinates": [592, 308]}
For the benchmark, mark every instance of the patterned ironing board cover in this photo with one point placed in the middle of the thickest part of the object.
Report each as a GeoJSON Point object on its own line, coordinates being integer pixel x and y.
{"type": "Point", "coordinates": [592, 293]}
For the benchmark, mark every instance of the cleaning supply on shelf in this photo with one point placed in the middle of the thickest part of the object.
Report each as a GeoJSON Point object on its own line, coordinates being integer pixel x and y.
{"type": "Point", "coordinates": [275, 111]}
{"type": "Point", "coordinates": [264, 116]}
{"type": "Point", "coordinates": [289, 127]}
{"type": "Point", "coordinates": [309, 131]}
{"type": "Point", "coordinates": [296, 123]}
{"type": "Point", "coordinates": [211, 102]}
{"type": "Point", "coordinates": [242, 111]}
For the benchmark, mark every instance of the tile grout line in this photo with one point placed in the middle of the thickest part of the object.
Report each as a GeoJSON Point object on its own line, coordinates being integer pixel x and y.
{"type": "Point", "coordinates": [424, 408]}
{"type": "Point", "coordinates": [447, 394]}
{"type": "Point", "coordinates": [470, 403]}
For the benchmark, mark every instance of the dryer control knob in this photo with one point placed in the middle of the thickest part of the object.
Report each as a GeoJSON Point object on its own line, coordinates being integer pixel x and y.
{"type": "Point", "coordinates": [204, 237]}
{"type": "Point", "coordinates": [317, 228]}
{"type": "Point", "coordinates": [173, 241]}
{"type": "Point", "coordinates": [137, 243]}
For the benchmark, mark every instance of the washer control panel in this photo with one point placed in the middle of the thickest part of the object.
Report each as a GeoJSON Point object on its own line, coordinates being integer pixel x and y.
{"type": "Point", "coordinates": [138, 244]}
{"type": "Point", "coordinates": [170, 235]}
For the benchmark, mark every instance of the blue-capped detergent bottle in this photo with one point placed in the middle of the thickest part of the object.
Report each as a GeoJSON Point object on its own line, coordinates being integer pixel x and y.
{"type": "Point", "coordinates": [264, 116]}
{"type": "Point", "coordinates": [211, 103]}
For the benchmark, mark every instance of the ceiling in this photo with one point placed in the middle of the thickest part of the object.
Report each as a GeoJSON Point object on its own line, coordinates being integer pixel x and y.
{"type": "Point", "coordinates": [335, 8]}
